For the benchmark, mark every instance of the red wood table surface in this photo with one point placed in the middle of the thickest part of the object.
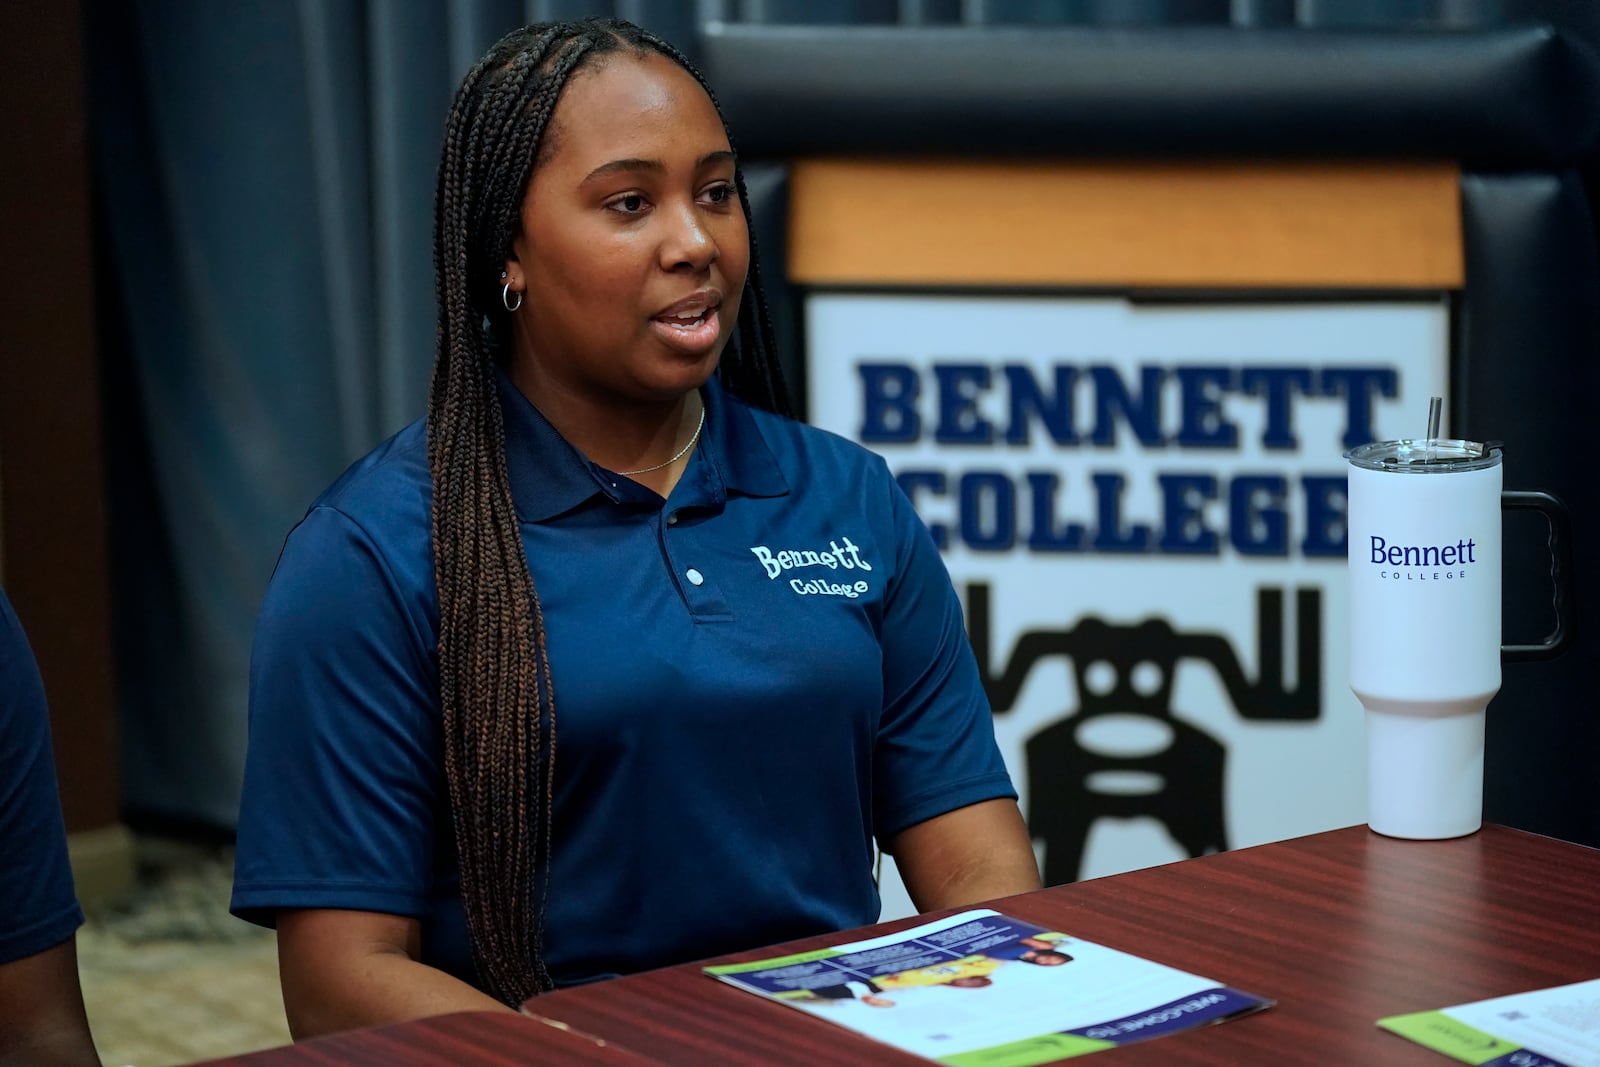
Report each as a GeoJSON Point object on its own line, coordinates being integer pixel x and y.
{"type": "Point", "coordinates": [489, 1038]}
{"type": "Point", "coordinates": [1339, 928]}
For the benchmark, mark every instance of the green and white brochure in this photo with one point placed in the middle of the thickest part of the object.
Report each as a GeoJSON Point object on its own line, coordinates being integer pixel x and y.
{"type": "Point", "coordinates": [1556, 1027]}
{"type": "Point", "coordinates": [981, 989]}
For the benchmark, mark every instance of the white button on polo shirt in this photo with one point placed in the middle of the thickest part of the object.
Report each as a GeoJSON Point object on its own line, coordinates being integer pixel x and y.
{"type": "Point", "coordinates": [694, 576]}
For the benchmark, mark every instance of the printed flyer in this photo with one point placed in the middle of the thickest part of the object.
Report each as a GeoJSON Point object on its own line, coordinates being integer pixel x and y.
{"type": "Point", "coordinates": [981, 989]}
{"type": "Point", "coordinates": [1556, 1027]}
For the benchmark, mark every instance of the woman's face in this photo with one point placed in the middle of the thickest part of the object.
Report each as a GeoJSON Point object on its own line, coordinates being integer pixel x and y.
{"type": "Point", "coordinates": [633, 247]}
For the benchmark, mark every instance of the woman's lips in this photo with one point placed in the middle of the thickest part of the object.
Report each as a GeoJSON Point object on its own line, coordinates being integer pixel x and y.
{"type": "Point", "coordinates": [691, 335]}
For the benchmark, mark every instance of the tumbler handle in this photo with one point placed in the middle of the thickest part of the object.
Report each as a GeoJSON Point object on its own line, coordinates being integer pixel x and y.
{"type": "Point", "coordinates": [1560, 545]}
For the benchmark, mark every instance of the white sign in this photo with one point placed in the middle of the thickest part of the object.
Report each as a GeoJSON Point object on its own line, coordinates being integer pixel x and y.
{"type": "Point", "coordinates": [1142, 505]}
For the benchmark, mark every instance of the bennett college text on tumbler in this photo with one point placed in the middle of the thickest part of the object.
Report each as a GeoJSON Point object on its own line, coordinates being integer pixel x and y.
{"type": "Point", "coordinates": [1423, 560]}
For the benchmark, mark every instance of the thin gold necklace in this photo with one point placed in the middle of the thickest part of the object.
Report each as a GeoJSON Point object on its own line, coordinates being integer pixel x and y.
{"type": "Point", "coordinates": [684, 451]}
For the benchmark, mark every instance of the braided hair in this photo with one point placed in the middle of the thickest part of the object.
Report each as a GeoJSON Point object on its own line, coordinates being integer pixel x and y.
{"type": "Point", "coordinates": [495, 690]}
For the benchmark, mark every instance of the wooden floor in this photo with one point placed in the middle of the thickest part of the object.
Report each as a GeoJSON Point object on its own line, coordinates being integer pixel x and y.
{"type": "Point", "coordinates": [169, 976]}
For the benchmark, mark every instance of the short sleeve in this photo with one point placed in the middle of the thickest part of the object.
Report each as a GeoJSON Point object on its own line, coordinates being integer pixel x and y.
{"type": "Point", "coordinates": [936, 749]}
{"type": "Point", "coordinates": [38, 908]}
{"type": "Point", "coordinates": [342, 780]}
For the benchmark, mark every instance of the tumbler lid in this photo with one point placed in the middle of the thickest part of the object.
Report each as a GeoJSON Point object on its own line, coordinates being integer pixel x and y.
{"type": "Point", "coordinates": [1414, 456]}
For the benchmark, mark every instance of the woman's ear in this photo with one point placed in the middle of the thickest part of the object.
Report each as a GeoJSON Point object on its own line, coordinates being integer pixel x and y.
{"type": "Point", "coordinates": [511, 283]}
{"type": "Point", "coordinates": [511, 274]}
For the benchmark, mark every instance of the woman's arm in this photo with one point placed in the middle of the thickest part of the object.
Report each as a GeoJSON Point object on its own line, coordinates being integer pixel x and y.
{"type": "Point", "coordinates": [339, 853]}
{"type": "Point", "coordinates": [42, 1021]}
{"type": "Point", "coordinates": [971, 854]}
{"type": "Point", "coordinates": [342, 969]}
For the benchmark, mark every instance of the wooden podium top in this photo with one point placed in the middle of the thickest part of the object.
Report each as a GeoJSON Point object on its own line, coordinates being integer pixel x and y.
{"type": "Point", "coordinates": [921, 224]}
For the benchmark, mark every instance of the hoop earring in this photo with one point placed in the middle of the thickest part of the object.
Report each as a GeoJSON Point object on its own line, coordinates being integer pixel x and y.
{"type": "Point", "coordinates": [505, 297]}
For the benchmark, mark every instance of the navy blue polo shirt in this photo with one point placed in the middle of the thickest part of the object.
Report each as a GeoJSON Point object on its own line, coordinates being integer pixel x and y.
{"type": "Point", "coordinates": [753, 678]}
{"type": "Point", "coordinates": [38, 908]}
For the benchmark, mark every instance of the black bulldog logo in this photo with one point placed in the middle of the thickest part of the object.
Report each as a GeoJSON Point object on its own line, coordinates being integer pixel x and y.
{"type": "Point", "coordinates": [1126, 671]}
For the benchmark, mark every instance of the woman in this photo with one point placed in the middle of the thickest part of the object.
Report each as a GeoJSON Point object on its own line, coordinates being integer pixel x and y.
{"type": "Point", "coordinates": [608, 665]}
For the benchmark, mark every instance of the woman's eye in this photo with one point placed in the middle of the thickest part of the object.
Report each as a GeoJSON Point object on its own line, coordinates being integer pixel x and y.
{"type": "Point", "coordinates": [721, 194]}
{"type": "Point", "coordinates": [631, 204]}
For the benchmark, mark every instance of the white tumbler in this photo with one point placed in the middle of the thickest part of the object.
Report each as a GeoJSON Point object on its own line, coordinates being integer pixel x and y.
{"type": "Point", "coordinates": [1424, 524]}
{"type": "Point", "coordinates": [1425, 651]}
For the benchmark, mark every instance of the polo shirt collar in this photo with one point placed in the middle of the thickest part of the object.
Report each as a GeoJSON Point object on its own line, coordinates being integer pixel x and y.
{"type": "Point", "coordinates": [550, 477]}
{"type": "Point", "coordinates": [733, 446]}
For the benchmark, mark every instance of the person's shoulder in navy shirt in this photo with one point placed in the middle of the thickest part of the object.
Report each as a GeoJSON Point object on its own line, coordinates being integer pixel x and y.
{"type": "Point", "coordinates": [42, 1019]}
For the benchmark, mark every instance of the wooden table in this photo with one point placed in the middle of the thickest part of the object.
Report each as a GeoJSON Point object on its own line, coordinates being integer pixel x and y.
{"type": "Point", "coordinates": [447, 1041]}
{"type": "Point", "coordinates": [1339, 928]}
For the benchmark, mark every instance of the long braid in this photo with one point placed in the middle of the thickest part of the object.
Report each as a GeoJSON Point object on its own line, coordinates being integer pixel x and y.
{"type": "Point", "coordinates": [495, 687]}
